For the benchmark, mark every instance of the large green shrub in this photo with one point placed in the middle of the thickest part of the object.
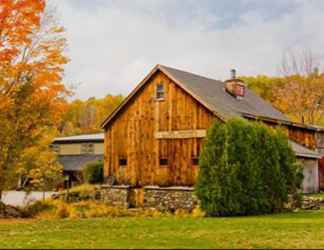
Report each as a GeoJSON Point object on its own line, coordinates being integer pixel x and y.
{"type": "Point", "coordinates": [93, 172]}
{"type": "Point", "coordinates": [246, 168]}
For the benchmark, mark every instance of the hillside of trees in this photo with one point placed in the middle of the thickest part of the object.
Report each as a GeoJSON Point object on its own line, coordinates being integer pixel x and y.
{"type": "Point", "coordinates": [85, 117]}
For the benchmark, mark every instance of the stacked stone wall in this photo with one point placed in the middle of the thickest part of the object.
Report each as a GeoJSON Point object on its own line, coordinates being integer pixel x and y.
{"type": "Point", "coordinates": [116, 195]}
{"type": "Point", "coordinates": [170, 199]}
{"type": "Point", "coordinates": [162, 199]}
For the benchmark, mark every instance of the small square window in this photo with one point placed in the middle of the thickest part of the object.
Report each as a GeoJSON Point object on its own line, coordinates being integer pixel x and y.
{"type": "Point", "coordinates": [87, 148]}
{"type": "Point", "coordinates": [195, 161]}
{"type": "Point", "coordinates": [122, 162]}
{"type": "Point", "coordinates": [163, 162]}
{"type": "Point", "coordinates": [160, 91]}
{"type": "Point", "coordinates": [55, 148]}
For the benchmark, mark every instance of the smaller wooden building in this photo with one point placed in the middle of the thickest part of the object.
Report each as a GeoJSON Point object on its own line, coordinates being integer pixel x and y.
{"type": "Point", "coordinates": [74, 152]}
{"type": "Point", "coordinates": [155, 136]}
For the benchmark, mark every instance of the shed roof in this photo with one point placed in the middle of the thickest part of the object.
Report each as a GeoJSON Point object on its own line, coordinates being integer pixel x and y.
{"type": "Point", "coordinates": [99, 137]}
{"type": "Point", "coordinates": [77, 162]}
{"type": "Point", "coordinates": [211, 94]}
{"type": "Point", "coordinates": [304, 152]}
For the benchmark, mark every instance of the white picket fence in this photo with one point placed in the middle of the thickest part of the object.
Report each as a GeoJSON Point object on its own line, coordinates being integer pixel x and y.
{"type": "Point", "coordinates": [21, 198]}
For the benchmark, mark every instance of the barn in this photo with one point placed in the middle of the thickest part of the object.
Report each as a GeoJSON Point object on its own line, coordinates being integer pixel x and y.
{"type": "Point", "coordinates": [153, 139]}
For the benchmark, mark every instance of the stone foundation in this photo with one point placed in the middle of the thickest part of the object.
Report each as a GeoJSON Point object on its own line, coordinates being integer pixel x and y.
{"type": "Point", "coordinates": [115, 195]}
{"type": "Point", "coordinates": [170, 198]}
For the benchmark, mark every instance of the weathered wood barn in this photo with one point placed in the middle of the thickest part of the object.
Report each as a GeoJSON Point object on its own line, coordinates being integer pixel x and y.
{"type": "Point", "coordinates": [155, 136]}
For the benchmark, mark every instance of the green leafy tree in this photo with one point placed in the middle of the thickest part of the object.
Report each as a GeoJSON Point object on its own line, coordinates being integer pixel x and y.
{"type": "Point", "coordinates": [93, 172]}
{"type": "Point", "coordinates": [245, 168]}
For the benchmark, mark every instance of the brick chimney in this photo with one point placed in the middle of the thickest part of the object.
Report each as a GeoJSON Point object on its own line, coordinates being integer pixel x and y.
{"type": "Point", "coordinates": [235, 86]}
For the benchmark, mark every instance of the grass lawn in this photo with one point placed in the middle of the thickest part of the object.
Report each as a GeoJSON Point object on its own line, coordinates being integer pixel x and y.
{"type": "Point", "coordinates": [315, 195]}
{"type": "Point", "coordinates": [293, 230]}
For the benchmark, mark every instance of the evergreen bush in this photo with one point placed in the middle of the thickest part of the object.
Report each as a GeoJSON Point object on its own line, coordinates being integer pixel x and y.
{"type": "Point", "coordinates": [93, 172]}
{"type": "Point", "coordinates": [246, 168]}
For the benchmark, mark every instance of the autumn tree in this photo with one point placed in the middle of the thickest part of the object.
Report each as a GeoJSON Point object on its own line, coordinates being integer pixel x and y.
{"type": "Point", "coordinates": [32, 95]}
{"type": "Point", "coordinates": [86, 116]}
{"type": "Point", "coordinates": [298, 92]}
{"type": "Point", "coordinates": [302, 94]}
{"type": "Point", "coordinates": [263, 85]}
{"type": "Point", "coordinates": [39, 168]}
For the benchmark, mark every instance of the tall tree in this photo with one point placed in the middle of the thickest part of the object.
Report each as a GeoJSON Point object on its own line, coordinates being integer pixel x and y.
{"type": "Point", "coordinates": [31, 89]}
{"type": "Point", "coordinates": [298, 92]}
{"type": "Point", "coordinates": [302, 94]}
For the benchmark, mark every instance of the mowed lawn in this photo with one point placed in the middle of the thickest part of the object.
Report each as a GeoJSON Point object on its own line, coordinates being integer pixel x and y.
{"type": "Point", "coordinates": [293, 230]}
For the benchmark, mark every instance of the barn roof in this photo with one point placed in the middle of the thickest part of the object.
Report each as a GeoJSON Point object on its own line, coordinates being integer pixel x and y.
{"type": "Point", "coordinates": [211, 94]}
{"type": "Point", "coordinates": [302, 151]}
{"type": "Point", "coordinates": [99, 137]}
{"type": "Point", "coordinates": [77, 162]}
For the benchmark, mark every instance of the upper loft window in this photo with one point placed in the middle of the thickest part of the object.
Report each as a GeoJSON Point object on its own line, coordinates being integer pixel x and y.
{"type": "Point", "coordinates": [87, 148]}
{"type": "Point", "coordinates": [160, 93]}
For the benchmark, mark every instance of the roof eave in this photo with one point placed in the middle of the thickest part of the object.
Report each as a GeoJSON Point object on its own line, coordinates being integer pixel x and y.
{"type": "Point", "coordinates": [131, 94]}
{"type": "Point", "coordinates": [282, 122]}
{"type": "Point", "coordinates": [77, 141]}
{"type": "Point", "coordinates": [309, 156]}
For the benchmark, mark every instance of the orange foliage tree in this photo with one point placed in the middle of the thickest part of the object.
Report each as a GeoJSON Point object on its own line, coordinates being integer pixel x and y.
{"type": "Point", "coordinates": [32, 95]}
{"type": "Point", "coordinates": [299, 92]}
{"type": "Point", "coordinates": [302, 94]}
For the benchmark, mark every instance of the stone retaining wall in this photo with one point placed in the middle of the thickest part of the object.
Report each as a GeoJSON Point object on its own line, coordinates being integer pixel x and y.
{"type": "Point", "coordinates": [116, 195]}
{"type": "Point", "coordinates": [162, 199]}
{"type": "Point", "coordinates": [170, 199]}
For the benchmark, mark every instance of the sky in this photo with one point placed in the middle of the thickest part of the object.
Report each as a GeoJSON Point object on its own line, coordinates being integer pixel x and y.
{"type": "Point", "coordinates": [113, 44]}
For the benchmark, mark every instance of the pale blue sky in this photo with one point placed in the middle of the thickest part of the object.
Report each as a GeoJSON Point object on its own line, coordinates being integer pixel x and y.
{"type": "Point", "coordinates": [114, 43]}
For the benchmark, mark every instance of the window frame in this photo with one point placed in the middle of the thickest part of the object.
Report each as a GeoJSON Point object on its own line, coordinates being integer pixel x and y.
{"type": "Point", "coordinates": [122, 162]}
{"type": "Point", "coordinates": [195, 161]}
{"type": "Point", "coordinates": [160, 92]}
{"type": "Point", "coordinates": [55, 148]}
{"type": "Point", "coordinates": [87, 149]}
{"type": "Point", "coordinates": [163, 162]}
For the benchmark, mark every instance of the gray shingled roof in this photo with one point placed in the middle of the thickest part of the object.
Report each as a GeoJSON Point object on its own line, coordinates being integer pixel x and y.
{"type": "Point", "coordinates": [213, 93]}
{"type": "Point", "coordinates": [77, 162]}
{"type": "Point", "coordinates": [210, 93]}
{"type": "Point", "coordinates": [79, 138]}
{"type": "Point", "coordinates": [302, 151]}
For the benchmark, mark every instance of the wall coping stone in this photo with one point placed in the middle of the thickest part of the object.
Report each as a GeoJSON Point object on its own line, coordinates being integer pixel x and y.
{"type": "Point", "coordinates": [116, 186]}
{"type": "Point", "coordinates": [173, 188]}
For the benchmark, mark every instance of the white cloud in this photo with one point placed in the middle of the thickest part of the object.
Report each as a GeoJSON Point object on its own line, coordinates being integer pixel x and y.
{"type": "Point", "coordinates": [112, 47]}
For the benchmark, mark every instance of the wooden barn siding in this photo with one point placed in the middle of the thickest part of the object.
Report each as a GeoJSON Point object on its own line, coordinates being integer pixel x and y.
{"type": "Point", "coordinates": [131, 135]}
{"type": "Point", "coordinates": [303, 136]}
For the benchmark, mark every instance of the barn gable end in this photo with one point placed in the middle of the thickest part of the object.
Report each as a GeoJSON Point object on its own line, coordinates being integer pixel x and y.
{"type": "Point", "coordinates": [156, 141]}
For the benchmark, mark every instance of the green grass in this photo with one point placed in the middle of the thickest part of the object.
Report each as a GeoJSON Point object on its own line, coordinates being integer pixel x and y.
{"type": "Point", "coordinates": [293, 230]}
{"type": "Point", "coordinates": [315, 195]}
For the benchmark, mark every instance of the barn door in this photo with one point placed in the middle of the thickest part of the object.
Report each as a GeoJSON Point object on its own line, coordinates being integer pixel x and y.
{"type": "Point", "coordinates": [321, 173]}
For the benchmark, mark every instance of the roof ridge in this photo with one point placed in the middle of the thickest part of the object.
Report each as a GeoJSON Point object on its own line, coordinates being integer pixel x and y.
{"type": "Point", "coordinates": [187, 72]}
